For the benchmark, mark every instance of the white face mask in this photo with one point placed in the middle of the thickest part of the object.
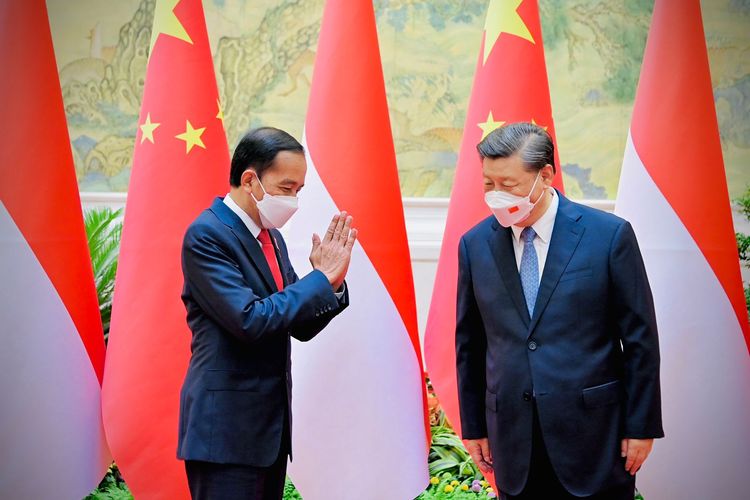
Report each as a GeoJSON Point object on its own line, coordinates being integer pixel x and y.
{"type": "Point", "coordinates": [510, 209]}
{"type": "Point", "coordinates": [275, 211]}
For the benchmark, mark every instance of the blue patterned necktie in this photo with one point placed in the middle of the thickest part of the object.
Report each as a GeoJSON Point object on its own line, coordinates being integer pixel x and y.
{"type": "Point", "coordinates": [529, 269]}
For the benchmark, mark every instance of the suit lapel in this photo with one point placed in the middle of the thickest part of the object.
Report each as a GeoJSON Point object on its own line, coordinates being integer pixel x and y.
{"type": "Point", "coordinates": [501, 247]}
{"type": "Point", "coordinates": [249, 243]}
{"type": "Point", "coordinates": [255, 252]}
{"type": "Point", "coordinates": [566, 235]}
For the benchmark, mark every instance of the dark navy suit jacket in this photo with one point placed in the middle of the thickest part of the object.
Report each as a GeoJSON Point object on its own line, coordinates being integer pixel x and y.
{"type": "Point", "coordinates": [236, 397]}
{"type": "Point", "coordinates": [589, 355]}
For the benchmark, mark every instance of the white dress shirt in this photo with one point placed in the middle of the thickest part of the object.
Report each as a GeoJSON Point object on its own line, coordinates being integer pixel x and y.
{"type": "Point", "coordinates": [543, 228]}
{"type": "Point", "coordinates": [255, 230]}
{"type": "Point", "coordinates": [246, 219]}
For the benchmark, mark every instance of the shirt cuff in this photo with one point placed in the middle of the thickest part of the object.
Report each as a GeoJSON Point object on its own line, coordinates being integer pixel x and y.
{"type": "Point", "coordinates": [342, 292]}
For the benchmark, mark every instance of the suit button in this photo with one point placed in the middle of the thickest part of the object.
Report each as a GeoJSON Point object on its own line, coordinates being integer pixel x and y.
{"type": "Point", "coordinates": [532, 345]}
{"type": "Point", "coordinates": [527, 396]}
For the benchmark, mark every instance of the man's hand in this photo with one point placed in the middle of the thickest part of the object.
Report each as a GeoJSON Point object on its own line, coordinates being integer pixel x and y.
{"type": "Point", "coordinates": [635, 452]}
{"type": "Point", "coordinates": [332, 254]}
{"type": "Point", "coordinates": [479, 449]}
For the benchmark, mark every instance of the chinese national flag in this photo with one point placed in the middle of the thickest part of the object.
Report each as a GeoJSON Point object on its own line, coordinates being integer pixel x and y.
{"type": "Point", "coordinates": [181, 162]}
{"type": "Point", "coordinates": [510, 85]}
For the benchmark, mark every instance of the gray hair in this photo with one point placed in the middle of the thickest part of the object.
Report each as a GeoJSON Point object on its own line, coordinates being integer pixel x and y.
{"type": "Point", "coordinates": [531, 142]}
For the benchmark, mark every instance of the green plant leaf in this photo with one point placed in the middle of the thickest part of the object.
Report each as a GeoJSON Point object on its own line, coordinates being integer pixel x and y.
{"type": "Point", "coordinates": [103, 232]}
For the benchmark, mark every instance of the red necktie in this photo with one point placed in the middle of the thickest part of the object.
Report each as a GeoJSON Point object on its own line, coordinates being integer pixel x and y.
{"type": "Point", "coordinates": [265, 240]}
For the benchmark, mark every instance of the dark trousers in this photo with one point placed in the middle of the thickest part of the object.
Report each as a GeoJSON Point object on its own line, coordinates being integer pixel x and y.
{"type": "Point", "coordinates": [212, 481]}
{"type": "Point", "coordinates": [543, 484]}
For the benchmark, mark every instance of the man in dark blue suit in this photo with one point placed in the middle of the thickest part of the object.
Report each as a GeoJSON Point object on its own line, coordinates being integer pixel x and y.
{"type": "Point", "coordinates": [556, 343]}
{"type": "Point", "coordinates": [244, 302]}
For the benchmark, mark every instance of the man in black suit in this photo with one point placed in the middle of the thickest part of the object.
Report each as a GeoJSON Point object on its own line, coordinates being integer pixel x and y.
{"type": "Point", "coordinates": [244, 302]}
{"type": "Point", "coordinates": [556, 343]}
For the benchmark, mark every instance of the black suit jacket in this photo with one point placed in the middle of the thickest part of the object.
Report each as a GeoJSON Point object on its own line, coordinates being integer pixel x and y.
{"type": "Point", "coordinates": [590, 353]}
{"type": "Point", "coordinates": [236, 397]}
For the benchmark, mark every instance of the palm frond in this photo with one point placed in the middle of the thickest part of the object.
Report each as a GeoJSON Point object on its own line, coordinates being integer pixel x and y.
{"type": "Point", "coordinates": [103, 232]}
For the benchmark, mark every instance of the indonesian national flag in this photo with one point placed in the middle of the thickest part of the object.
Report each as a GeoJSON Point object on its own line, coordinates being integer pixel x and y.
{"type": "Point", "coordinates": [673, 190]}
{"type": "Point", "coordinates": [181, 161]}
{"type": "Point", "coordinates": [52, 355]}
{"type": "Point", "coordinates": [510, 85]}
{"type": "Point", "coordinates": [359, 406]}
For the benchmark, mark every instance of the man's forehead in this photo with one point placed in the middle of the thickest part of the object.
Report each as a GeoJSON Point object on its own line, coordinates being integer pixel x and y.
{"type": "Point", "coordinates": [507, 167]}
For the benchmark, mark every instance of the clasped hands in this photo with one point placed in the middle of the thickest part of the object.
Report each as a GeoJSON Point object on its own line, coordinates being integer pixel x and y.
{"type": "Point", "coordinates": [331, 254]}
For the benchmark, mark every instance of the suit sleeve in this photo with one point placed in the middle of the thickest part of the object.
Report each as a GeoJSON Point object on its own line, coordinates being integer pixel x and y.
{"type": "Point", "coordinates": [471, 349]}
{"type": "Point", "coordinates": [308, 330]}
{"type": "Point", "coordinates": [222, 291]}
{"type": "Point", "coordinates": [636, 322]}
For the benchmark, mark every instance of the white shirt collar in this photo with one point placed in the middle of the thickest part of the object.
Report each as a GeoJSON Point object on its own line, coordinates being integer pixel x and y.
{"type": "Point", "coordinates": [246, 219]}
{"type": "Point", "coordinates": [546, 223]}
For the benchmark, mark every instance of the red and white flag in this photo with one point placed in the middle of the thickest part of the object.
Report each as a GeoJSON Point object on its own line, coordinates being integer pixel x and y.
{"type": "Point", "coordinates": [180, 163]}
{"type": "Point", "coordinates": [510, 85]}
{"type": "Point", "coordinates": [51, 439]}
{"type": "Point", "coordinates": [359, 403]}
{"type": "Point", "coordinates": [673, 190]}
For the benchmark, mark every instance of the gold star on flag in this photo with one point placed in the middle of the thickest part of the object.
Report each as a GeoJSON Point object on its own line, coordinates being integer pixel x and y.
{"type": "Point", "coordinates": [489, 125]}
{"type": "Point", "coordinates": [166, 22]}
{"type": "Point", "coordinates": [147, 129]}
{"type": "Point", "coordinates": [192, 137]}
{"type": "Point", "coordinates": [220, 114]}
{"type": "Point", "coordinates": [503, 18]}
{"type": "Point", "coordinates": [535, 123]}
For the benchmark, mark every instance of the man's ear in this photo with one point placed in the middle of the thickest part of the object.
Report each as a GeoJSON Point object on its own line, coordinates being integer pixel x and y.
{"type": "Point", "coordinates": [548, 174]}
{"type": "Point", "coordinates": [246, 180]}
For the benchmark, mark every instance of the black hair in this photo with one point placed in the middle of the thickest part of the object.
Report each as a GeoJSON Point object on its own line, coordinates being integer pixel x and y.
{"type": "Point", "coordinates": [258, 149]}
{"type": "Point", "coordinates": [531, 142]}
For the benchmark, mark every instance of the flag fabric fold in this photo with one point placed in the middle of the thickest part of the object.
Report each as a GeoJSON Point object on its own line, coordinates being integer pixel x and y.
{"type": "Point", "coordinates": [180, 163]}
{"type": "Point", "coordinates": [673, 190]}
{"type": "Point", "coordinates": [359, 397]}
{"type": "Point", "coordinates": [53, 347]}
{"type": "Point", "coordinates": [510, 85]}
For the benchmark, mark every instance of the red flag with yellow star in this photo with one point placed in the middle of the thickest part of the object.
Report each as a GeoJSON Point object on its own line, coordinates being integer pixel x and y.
{"type": "Point", "coordinates": [510, 85]}
{"type": "Point", "coordinates": [181, 161]}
